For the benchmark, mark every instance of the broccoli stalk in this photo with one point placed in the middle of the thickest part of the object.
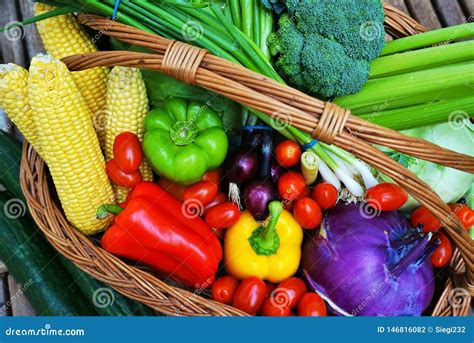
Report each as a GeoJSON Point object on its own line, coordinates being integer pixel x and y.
{"type": "Point", "coordinates": [326, 47]}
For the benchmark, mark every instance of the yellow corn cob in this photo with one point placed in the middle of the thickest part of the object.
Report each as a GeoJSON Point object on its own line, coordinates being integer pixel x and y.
{"type": "Point", "coordinates": [126, 108]}
{"type": "Point", "coordinates": [63, 36]}
{"type": "Point", "coordinates": [14, 101]}
{"type": "Point", "coordinates": [69, 143]}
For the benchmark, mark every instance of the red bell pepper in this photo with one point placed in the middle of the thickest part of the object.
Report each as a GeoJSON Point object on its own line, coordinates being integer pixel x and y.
{"type": "Point", "coordinates": [154, 231]}
{"type": "Point", "coordinates": [163, 201]}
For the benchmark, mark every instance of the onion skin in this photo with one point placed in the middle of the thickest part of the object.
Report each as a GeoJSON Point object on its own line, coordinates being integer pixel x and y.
{"type": "Point", "coordinates": [351, 265]}
{"type": "Point", "coordinates": [257, 196]}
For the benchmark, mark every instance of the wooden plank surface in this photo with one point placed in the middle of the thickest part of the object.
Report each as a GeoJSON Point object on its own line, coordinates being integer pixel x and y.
{"type": "Point", "coordinates": [19, 304]}
{"type": "Point", "coordinates": [450, 12]}
{"type": "Point", "coordinates": [424, 12]}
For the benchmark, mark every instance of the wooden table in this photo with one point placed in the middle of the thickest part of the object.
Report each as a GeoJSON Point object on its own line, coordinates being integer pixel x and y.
{"type": "Point", "coordinates": [431, 13]}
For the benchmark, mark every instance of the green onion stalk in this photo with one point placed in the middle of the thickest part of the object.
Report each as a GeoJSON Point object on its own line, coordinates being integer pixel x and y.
{"type": "Point", "coordinates": [237, 31]}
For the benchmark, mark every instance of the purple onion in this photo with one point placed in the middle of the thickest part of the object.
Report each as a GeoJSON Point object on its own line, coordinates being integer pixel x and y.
{"type": "Point", "coordinates": [257, 196]}
{"type": "Point", "coordinates": [242, 167]}
{"type": "Point", "coordinates": [370, 264]}
{"type": "Point", "coordinates": [276, 170]}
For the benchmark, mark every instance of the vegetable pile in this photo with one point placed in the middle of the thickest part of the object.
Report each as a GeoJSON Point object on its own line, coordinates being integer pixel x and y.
{"type": "Point", "coordinates": [209, 194]}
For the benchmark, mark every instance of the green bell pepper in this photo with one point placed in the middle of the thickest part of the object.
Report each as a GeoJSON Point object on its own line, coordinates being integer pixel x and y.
{"type": "Point", "coordinates": [183, 140]}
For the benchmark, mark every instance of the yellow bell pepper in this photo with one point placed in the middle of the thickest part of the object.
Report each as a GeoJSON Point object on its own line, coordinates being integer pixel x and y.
{"type": "Point", "coordinates": [271, 252]}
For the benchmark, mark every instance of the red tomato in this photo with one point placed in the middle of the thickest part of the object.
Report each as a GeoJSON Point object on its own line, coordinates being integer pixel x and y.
{"type": "Point", "coordinates": [175, 189]}
{"type": "Point", "coordinates": [325, 195]}
{"type": "Point", "coordinates": [270, 288]}
{"type": "Point", "coordinates": [422, 216]}
{"type": "Point", "coordinates": [386, 196]}
{"type": "Point", "coordinates": [293, 289]}
{"type": "Point", "coordinates": [121, 178]}
{"type": "Point", "coordinates": [288, 153]}
{"type": "Point", "coordinates": [291, 186]}
{"type": "Point", "coordinates": [443, 252]}
{"type": "Point", "coordinates": [464, 213]}
{"type": "Point", "coordinates": [202, 191]}
{"type": "Point", "coordinates": [128, 151]}
{"type": "Point", "coordinates": [307, 213]}
{"type": "Point", "coordinates": [219, 199]}
{"type": "Point", "coordinates": [213, 176]}
{"type": "Point", "coordinates": [223, 215]}
{"type": "Point", "coordinates": [272, 309]}
{"type": "Point", "coordinates": [311, 305]}
{"type": "Point", "coordinates": [250, 295]}
{"type": "Point", "coordinates": [223, 289]}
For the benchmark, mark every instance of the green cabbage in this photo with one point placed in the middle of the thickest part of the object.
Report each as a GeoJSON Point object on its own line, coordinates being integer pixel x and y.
{"type": "Point", "coordinates": [449, 183]}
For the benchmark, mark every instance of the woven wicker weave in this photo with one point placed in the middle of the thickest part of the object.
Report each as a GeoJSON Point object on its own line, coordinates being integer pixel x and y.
{"type": "Point", "coordinates": [324, 121]}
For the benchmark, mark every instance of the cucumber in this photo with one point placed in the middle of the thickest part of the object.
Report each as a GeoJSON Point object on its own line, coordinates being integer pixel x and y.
{"type": "Point", "coordinates": [106, 300]}
{"type": "Point", "coordinates": [10, 159]}
{"type": "Point", "coordinates": [35, 265]}
{"type": "Point", "coordinates": [66, 273]}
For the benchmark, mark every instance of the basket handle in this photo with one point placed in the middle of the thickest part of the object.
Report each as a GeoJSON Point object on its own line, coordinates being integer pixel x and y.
{"type": "Point", "coordinates": [326, 121]}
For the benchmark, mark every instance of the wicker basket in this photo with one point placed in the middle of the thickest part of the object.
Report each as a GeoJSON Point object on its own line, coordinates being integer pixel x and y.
{"type": "Point", "coordinates": [325, 121]}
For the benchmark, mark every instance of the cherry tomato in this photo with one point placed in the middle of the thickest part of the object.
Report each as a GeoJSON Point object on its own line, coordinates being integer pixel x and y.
{"type": "Point", "coordinates": [442, 255]}
{"type": "Point", "coordinates": [219, 199]}
{"type": "Point", "coordinates": [291, 186]}
{"type": "Point", "coordinates": [325, 195]}
{"type": "Point", "coordinates": [464, 213]}
{"type": "Point", "coordinates": [223, 289]}
{"type": "Point", "coordinates": [270, 288]}
{"type": "Point", "coordinates": [422, 216]}
{"type": "Point", "coordinates": [307, 213]}
{"type": "Point", "coordinates": [213, 176]}
{"type": "Point", "coordinates": [288, 153]}
{"type": "Point", "coordinates": [175, 189]}
{"type": "Point", "coordinates": [386, 196]}
{"type": "Point", "coordinates": [293, 289]}
{"type": "Point", "coordinates": [250, 295]}
{"type": "Point", "coordinates": [272, 309]}
{"type": "Point", "coordinates": [223, 215]}
{"type": "Point", "coordinates": [121, 178]}
{"type": "Point", "coordinates": [128, 151]}
{"type": "Point", "coordinates": [202, 191]}
{"type": "Point", "coordinates": [311, 305]}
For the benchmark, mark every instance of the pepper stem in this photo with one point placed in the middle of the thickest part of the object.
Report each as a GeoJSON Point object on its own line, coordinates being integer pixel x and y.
{"type": "Point", "coordinates": [264, 239]}
{"type": "Point", "coordinates": [106, 209]}
{"type": "Point", "coordinates": [413, 256]}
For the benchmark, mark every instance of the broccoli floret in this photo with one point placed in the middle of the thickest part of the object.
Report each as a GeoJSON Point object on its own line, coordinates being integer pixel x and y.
{"type": "Point", "coordinates": [325, 47]}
